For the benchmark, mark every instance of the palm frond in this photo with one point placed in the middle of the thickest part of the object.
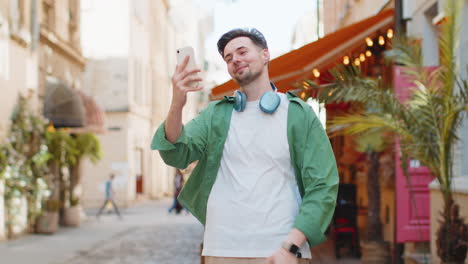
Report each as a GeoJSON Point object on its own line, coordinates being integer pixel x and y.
{"type": "Point", "coordinates": [405, 52]}
{"type": "Point", "coordinates": [462, 91]}
{"type": "Point", "coordinates": [347, 85]}
{"type": "Point", "coordinates": [448, 44]}
{"type": "Point", "coordinates": [360, 123]}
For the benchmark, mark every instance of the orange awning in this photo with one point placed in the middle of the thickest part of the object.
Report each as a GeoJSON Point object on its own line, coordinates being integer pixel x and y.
{"type": "Point", "coordinates": [322, 54]}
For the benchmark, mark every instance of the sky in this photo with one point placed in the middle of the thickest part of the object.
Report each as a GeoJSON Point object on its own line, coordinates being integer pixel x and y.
{"type": "Point", "coordinates": [104, 36]}
{"type": "Point", "coordinates": [274, 18]}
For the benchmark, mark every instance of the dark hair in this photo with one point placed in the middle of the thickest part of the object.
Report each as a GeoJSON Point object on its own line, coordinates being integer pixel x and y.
{"type": "Point", "coordinates": [252, 33]}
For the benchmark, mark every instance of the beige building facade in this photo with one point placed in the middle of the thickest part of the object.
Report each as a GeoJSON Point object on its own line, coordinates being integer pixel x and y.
{"type": "Point", "coordinates": [18, 55]}
{"type": "Point", "coordinates": [39, 42]}
{"type": "Point", "coordinates": [133, 85]}
{"type": "Point", "coordinates": [341, 13]}
{"type": "Point", "coordinates": [60, 57]}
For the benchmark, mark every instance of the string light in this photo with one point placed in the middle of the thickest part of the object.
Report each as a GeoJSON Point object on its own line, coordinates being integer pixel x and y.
{"type": "Point", "coordinates": [346, 60]}
{"type": "Point", "coordinates": [303, 95]}
{"type": "Point", "coordinates": [367, 53]}
{"type": "Point", "coordinates": [362, 57]}
{"type": "Point", "coordinates": [381, 40]}
{"type": "Point", "coordinates": [390, 33]}
{"type": "Point", "coordinates": [357, 62]}
{"type": "Point", "coordinates": [316, 73]}
{"type": "Point", "coordinates": [305, 84]}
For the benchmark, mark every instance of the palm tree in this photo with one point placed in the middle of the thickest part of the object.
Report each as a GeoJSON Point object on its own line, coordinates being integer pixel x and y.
{"type": "Point", "coordinates": [372, 144]}
{"type": "Point", "coordinates": [426, 125]}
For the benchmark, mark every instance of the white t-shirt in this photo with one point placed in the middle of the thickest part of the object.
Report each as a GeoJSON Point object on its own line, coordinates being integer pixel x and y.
{"type": "Point", "coordinates": [255, 199]}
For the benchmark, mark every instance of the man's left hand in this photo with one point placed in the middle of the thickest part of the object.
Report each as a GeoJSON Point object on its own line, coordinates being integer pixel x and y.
{"type": "Point", "coordinates": [281, 256]}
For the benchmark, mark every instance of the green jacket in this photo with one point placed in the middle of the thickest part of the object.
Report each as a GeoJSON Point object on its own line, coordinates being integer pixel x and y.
{"type": "Point", "coordinates": [314, 164]}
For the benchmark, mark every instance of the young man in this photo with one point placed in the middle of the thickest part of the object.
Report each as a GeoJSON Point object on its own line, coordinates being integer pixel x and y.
{"type": "Point", "coordinates": [266, 182]}
{"type": "Point", "coordinates": [109, 198]}
{"type": "Point", "coordinates": [178, 184]}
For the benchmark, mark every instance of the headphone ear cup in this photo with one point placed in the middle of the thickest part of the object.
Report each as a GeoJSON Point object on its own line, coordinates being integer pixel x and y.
{"type": "Point", "coordinates": [269, 102]}
{"type": "Point", "coordinates": [240, 100]}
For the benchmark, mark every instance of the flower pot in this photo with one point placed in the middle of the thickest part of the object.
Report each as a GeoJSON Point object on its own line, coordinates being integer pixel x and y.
{"type": "Point", "coordinates": [72, 216]}
{"type": "Point", "coordinates": [47, 223]}
{"type": "Point", "coordinates": [2, 211]}
{"type": "Point", "coordinates": [17, 214]}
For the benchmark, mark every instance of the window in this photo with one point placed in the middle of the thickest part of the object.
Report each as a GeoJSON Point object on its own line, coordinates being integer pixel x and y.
{"type": "Point", "coordinates": [15, 15]}
{"type": "Point", "coordinates": [20, 21]}
{"type": "Point", "coordinates": [73, 23]}
{"type": "Point", "coordinates": [48, 14]}
{"type": "Point", "coordinates": [73, 10]}
{"type": "Point", "coordinates": [430, 33]}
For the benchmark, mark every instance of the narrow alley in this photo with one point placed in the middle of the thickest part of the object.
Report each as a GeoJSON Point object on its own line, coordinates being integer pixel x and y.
{"type": "Point", "coordinates": [146, 234]}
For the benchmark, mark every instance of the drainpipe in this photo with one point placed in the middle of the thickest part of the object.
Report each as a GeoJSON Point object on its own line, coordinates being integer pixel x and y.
{"type": "Point", "coordinates": [318, 19]}
{"type": "Point", "coordinates": [400, 28]}
{"type": "Point", "coordinates": [34, 24]}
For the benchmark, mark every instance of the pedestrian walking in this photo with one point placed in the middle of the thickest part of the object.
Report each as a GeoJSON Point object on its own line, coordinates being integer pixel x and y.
{"type": "Point", "coordinates": [266, 181]}
{"type": "Point", "coordinates": [109, 197]}
{"type": "Point", "coordinates": [178, 184]}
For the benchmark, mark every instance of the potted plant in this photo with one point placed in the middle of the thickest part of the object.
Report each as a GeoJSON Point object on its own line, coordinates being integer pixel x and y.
{"type": "Point", "coordinates": [62, 150]}
{"type": "Point", "coordinates": [2, 193]}
{"type": "Point", "coordinates": [48, 221]}
{"type": "Point", "coordinates": [373, 248]}
{"type": "Point", "coordinates": [72, 214]}
{"type": "Point", "coordinates": [25, 157]}
{"type": "Point", "coordinates": [84, 146]}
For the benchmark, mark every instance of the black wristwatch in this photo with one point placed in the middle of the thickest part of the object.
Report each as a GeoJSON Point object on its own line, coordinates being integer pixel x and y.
{"type": "Point", "coordinates": [292, 248]}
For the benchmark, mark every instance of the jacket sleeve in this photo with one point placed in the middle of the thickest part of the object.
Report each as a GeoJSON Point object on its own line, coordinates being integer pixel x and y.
{"type": "Point", "coordinates": [319, 176]}
{"type": "Point", "coordinates": [189, 147]}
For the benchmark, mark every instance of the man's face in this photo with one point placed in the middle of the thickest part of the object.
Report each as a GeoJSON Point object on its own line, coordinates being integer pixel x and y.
{"type": "Point", "coordinates": [245, 61]}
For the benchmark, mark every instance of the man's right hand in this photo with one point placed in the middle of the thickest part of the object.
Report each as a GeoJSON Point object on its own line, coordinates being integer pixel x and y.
{"type": "Point", "coordinates": [180, 87]}
{"type": "Point", "coordinates": [181, 84]}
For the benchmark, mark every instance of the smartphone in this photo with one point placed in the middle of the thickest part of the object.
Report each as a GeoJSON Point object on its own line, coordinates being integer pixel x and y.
{"type": "Point", "coordinates": [184, 52]}
{"type": "Point", "coordinates": [191, 65]}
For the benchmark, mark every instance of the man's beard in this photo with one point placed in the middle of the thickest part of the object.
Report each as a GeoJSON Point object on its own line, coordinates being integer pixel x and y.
{"type": "Point", "coordinates": [247, 78]}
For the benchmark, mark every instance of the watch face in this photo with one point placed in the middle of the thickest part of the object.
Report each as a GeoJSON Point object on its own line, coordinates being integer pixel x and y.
{"type": "Point", "coordinates": [293, 249]}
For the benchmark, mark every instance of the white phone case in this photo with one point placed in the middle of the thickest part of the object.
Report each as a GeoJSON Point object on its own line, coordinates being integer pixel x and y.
{"type": "Point", "coordinates": [182, 53]}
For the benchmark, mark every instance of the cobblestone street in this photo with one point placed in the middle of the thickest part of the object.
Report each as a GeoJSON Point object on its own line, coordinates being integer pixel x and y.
{"type": "Point", "coordinates": [161, 244]}
{"type": "Point", "coordinates": [153, 236]}
{"type": "Point", "coordinates": [146, 235]}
